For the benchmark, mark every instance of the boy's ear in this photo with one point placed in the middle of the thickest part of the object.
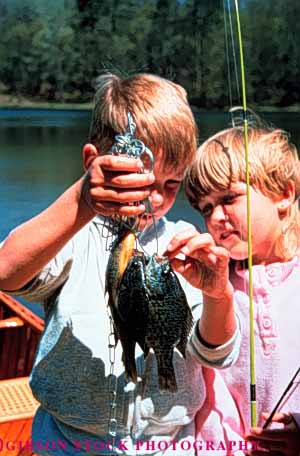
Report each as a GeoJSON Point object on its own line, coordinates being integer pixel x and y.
{"type": "Point", "coordinates": [287, 199]}
{"type": "Point", "coordinates": [89, 153]}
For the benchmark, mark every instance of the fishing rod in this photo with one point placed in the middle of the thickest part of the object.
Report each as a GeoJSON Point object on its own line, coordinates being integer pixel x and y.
{"type": "Point", "coordinates": [245, 110]}
{"type": "Point", "coordinates": [249, 230]}
{"type": "Point", "coordinates": [282, 397]}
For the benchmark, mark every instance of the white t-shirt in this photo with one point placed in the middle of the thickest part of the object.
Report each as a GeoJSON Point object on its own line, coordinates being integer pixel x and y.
{"type": "Point", "coordinates": [72, 366]}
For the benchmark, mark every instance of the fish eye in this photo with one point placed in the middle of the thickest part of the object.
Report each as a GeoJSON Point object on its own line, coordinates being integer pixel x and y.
{"type": "Point", "coordinates": [166, 271]}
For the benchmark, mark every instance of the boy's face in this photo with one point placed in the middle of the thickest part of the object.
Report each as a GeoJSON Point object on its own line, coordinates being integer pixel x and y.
{"type": "Point", "coordinates": [164, 189]}
{"type": "Point", "coordinates": [225, 214]}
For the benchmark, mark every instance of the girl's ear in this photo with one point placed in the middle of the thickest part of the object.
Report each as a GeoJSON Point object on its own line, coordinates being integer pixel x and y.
{"type": "Point", "coordinates": [89, 153]}
{"type": "Point", "coordinates": [287, 199]}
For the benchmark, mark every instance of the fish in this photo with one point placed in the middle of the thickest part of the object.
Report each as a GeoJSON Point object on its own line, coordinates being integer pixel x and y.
{"type": "Point", "coordinates": [122, 251]}
{"type": "Point", "coordinates": [169, 321]}
{"type": "Point", "coordinates": [148, 307]}
{"type": "Point", "coordinates": [120, 254]}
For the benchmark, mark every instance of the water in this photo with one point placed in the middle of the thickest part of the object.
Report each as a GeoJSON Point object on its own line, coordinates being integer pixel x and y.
{"type": "Point", "coordinates": [40, 156]}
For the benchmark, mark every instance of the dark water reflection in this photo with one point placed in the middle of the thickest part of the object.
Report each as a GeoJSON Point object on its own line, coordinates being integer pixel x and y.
{"type": "Point", "coordinates": [40, 156]}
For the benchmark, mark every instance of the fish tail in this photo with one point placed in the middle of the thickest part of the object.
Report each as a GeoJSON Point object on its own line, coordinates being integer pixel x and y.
{"type": "Point", "coordinates": [167, 382]}
{"type": "Point", "coordinates": [128, 359]}
{"type": "Point", "coordinates": [166, 374]}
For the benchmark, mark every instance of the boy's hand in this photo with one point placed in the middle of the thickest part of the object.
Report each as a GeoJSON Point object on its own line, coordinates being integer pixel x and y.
{"type": "Point", "coordinates": [205, 265]}
{"type": "Point", "coordinates": [112, 185]}
{"type": "Point", "coordinates": [284, 441]}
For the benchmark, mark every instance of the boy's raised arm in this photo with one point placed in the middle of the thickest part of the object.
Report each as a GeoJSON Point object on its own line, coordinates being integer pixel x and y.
{"type": "Point", "coordinates": [30, 246]}
{"type": "Point", "coordinates": [107, 188]}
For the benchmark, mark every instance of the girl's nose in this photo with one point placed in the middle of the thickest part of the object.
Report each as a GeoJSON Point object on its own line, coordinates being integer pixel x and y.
{"type": "Point", "coordinates": [156, 199]}
{"type": "Point", "coordinates": [218, 214]}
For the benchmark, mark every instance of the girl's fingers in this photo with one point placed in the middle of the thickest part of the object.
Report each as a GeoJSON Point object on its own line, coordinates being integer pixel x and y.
{"type": "Point", "coordinates": [218, 254]}
{"type": "Point", "coordinates": [208, 254]}
{"type": "Point", "coordinates": [181, 266]}
{"type": "Point", "coordinates": [187, 242]}
{"type": "Point", "coordinates": [180, 239]}
{"type": "Point", "coordinates": [197, 244]}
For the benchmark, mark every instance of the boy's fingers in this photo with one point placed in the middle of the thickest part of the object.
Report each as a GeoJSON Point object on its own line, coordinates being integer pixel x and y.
{"type": "Point", "coordinates": [108, 209]}
{"type": "Point", "coordinates": [117, 163]}
{"type": "Point", "coordinates": [128, 180]}
{"type": "Point", "coordinates": [121, 196]}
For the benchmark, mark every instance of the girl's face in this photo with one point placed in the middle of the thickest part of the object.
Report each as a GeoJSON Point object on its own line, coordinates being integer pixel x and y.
{"type": "Point", "coordinates": [225, 214]}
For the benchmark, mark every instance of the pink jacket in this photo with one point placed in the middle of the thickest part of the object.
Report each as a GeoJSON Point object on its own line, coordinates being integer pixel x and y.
{"type": "Point", "coordinates": [225, 415]}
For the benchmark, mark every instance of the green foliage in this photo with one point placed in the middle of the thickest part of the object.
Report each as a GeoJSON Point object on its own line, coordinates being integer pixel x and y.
{"type": "Point", "coordinates": [54, 50]}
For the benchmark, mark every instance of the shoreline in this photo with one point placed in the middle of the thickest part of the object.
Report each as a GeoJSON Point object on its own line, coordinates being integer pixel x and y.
{"type": "Point", "coordinates": [12, 102]}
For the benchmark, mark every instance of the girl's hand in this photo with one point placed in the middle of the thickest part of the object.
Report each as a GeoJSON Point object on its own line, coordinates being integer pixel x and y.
{"type": "Point", "coordinates": [113, 185]}
{"type": "Point", "coordinates": [205, 265]}
{"type": "Point", "coordinates": [273, 442]}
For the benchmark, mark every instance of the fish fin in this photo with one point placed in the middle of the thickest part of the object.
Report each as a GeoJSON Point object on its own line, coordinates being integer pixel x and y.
{"type": "Point", "coordinates": [145, 350]}
{"type": "Point", "coordinates": [166, 374]}
{"type": "Point", "coordinates": [186, 330]}
{"type": "Point", "coordinates": [189, 321]}
{"type": "Point", "coordinates": [128, 359]}
{"type": "Point", "coordinates": [168, 383]}
{"type": "Point", "coordinates": [182, 344]}
{"type": "Point", "coordinates": [140, 338]}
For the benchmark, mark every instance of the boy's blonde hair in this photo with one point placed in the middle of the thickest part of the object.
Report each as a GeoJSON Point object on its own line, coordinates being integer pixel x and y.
{"type": "Point", "coordinates": [159, 108]}
{"type": "Point", "coordinates": [273, 163]}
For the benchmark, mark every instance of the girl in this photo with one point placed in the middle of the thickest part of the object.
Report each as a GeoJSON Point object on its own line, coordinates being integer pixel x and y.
{"type": "Point", "coordinates": [216, 187]}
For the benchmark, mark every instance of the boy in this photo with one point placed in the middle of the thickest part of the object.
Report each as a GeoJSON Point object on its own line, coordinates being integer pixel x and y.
{"type": "Point", "coordinates": [59, 257]}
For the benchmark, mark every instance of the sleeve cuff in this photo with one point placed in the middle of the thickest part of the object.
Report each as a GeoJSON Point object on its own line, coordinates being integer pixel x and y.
{"type": "Point", "coordinates": [42, 287]}
{"type": "Point", "coordinates": [220, 357]}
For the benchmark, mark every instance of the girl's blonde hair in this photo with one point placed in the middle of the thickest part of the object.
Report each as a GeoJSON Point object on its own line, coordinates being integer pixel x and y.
{"type": "Point", "coordinates": [159, 108]}
{"type": "Point", "coordinates": [220, 161]}
{"type": "Point", "coordinates": [273, 161]}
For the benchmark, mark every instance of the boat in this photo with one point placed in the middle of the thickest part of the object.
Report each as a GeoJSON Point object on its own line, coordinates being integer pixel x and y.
{"type": "Point", "coordinates": [20, 331]}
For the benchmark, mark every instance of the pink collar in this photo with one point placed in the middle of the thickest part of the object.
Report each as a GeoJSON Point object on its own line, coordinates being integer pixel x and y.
{"type": "Point", "coordinates": [274, 273]}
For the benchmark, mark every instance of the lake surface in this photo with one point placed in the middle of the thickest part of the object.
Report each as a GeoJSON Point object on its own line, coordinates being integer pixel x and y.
{"type": "Point", "coordinates": [40, 156]}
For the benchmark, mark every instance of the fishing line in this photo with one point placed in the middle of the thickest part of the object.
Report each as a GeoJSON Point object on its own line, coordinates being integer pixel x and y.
{"type": "Point", "coordinates": [231, 48]}
{"type": "Point", "coordinates": [129, 146]}
{"type": "Point", "coordinates": [234, 54]}
{"type": "Point", "coordinates": [229, 82]}
{"type": "Point", "coordinates": [249, 230]}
